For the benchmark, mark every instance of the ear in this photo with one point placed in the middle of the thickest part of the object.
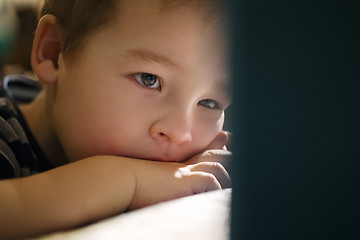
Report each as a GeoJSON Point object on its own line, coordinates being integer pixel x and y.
{"type": "Point", "coordinates": [46, 49]}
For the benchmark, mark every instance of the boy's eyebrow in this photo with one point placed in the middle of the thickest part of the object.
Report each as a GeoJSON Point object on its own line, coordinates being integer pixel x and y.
{"type": "Point", "coordinates": [147, 55]}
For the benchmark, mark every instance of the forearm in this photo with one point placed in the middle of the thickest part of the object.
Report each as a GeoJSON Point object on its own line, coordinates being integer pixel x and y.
{"type": "Point", "coordinates": [99, 187]}
{"type": "Point", "coordinates": [66, 197]}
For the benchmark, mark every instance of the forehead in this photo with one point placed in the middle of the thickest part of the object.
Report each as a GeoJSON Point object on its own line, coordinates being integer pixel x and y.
{"type": "Point", "coordinates": [184, 23]}
{"type": "Point", "coordinates": [211, 11]}
{"type": "Point", "coordinates": [179, 36]}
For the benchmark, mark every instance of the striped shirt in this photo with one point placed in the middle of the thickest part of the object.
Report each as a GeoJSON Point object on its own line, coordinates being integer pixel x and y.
{"type": "Point", "coordinates": [20, 155]}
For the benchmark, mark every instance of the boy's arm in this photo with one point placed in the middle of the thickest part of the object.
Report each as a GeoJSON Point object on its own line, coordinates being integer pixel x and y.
{"type": "Point", "coordinates": [95, 188]}
{"type": "Point", "coordinates": [64, 197]}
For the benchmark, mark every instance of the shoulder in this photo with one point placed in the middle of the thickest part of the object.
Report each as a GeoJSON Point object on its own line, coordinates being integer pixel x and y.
{"type": "Point", "coordinates": [10, 126]}
{"type": "Point", "coordinates": [20, 155]}
{"type": "Point", "coordinates": [9, 167]}
{"type": "Point", "coordinates": [7, 108]}
{"type": "Point", "coordinates": [12, 140]}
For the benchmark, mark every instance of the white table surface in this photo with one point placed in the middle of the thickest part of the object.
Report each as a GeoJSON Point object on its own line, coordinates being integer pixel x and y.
{"type": "Point", "coordinates": [201, 216]}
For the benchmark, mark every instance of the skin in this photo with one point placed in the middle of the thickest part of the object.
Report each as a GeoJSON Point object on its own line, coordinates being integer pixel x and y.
{"type": "Point", "coordinates": [128, 118]}
{"type": "Point", "coordinates": [98, 116]}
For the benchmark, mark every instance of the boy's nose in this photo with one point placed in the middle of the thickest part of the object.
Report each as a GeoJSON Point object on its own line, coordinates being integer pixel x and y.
{"type": "Point", "coordinates": [174, 129]}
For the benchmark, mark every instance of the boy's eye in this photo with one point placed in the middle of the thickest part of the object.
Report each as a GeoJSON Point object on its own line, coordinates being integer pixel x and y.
{"type": "Point", "coordinates": [148, 80]}
{"type": "Point", "coordinates": [208, 103]}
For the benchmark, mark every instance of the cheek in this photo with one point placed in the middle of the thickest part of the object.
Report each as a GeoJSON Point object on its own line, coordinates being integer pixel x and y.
{"type": "Point", "coordinates": [95, 133]}
{"type": "Point", "coordinates": [110, 125]}
{"type": "Point", "coordinates": [207, 129]}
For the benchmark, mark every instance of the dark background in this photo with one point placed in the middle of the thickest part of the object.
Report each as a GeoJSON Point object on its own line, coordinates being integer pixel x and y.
{"type": "Point", "coordinates": [296, 119]}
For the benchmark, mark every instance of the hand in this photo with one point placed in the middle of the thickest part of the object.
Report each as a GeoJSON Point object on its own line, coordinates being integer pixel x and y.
{"type": "Point", "coordinates": [216, 151]}
{"type": "Point", "coordinates": [221, 141]}
{"type": "Point", "coordinates": [159, 181]}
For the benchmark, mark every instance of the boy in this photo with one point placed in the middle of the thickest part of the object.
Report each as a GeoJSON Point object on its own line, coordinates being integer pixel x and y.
{"type": "Point", "coordinates": [130, 115]}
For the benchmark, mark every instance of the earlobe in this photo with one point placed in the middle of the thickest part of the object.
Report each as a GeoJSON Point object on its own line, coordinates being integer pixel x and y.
{"type": "Point", "coordinates": [46, 49]}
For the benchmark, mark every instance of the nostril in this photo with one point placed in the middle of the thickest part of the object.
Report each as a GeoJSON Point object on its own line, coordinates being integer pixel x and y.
{"type": "Point", "coordinates": [163, 135]}
{"type": "Point", "coordinates": [172, 135]}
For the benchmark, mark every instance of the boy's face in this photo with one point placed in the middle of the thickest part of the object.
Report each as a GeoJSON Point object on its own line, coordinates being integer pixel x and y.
{"type": "Point", "coordinates": [150, 85]}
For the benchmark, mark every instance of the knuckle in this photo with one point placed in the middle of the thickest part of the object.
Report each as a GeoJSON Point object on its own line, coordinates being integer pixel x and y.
{"type": "Point", "coordinates": [216, 154]}
{"type": "Point", "coordinates": [216, 166]}
{"type": "Point", "coordinates": [206, 177]}
{"type": "Point", "coordinates": [210, 177]}
{"type": "Point", "coordinates": [210, 153]}
{"type": "Point", "coordinates": [212, 181]}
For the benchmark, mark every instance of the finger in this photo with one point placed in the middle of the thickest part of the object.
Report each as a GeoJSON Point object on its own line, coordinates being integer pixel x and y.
{"type": "Point", "coordinates": [216, 155]}
{"type": "Point", "coordinates": [216, 169]}
{"type": "Point", "coordinates": [219, 141]}
{"type": "Point", "coordinates": [198, 181]}
{"type": "Point", "coordinates": [204, 182]}
{"type": "Point", "coordinates": [229, 141]}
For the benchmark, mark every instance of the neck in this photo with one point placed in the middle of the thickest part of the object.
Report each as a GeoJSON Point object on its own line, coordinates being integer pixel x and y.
{"type": "Point", "coordinates": [38, 117]}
